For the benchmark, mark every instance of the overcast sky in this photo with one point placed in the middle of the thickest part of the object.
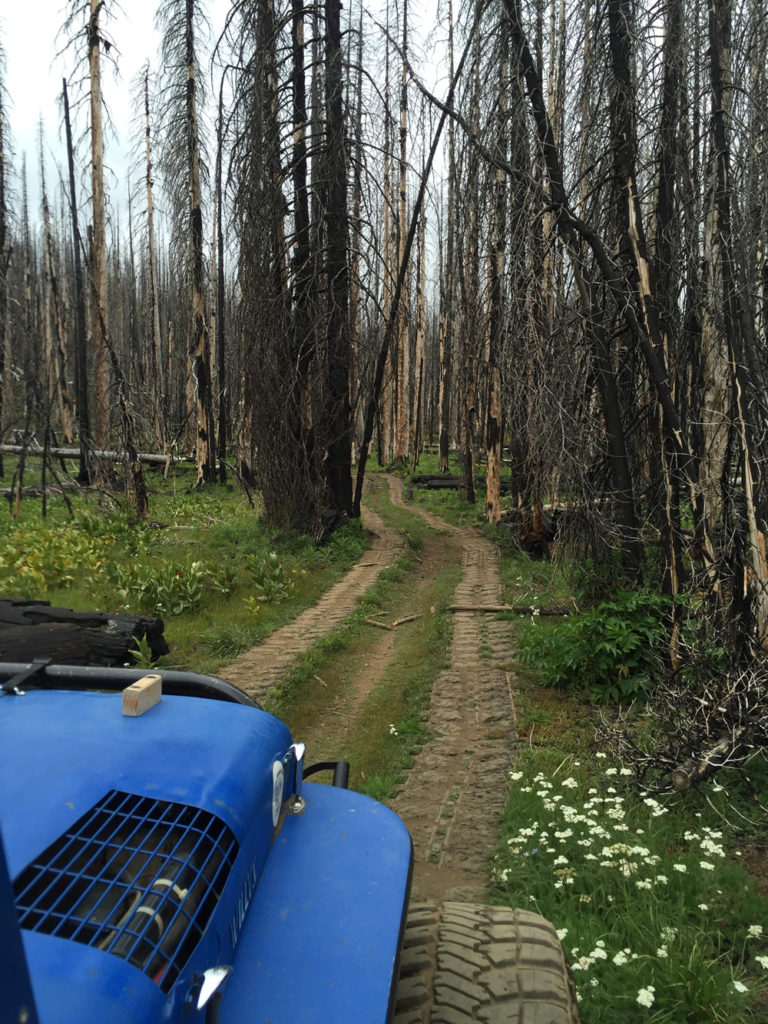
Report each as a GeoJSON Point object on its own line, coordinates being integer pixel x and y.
{"type": "Point", "coordinates": [36, 65]}
{"type": "Point", "coordinates": [37, 62]}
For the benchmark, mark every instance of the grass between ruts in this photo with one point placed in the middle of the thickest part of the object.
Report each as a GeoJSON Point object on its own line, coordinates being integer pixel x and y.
{"type": "Point", "coordinates": [390, 720]}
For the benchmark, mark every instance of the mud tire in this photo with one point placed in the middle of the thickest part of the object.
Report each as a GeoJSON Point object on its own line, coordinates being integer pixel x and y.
{"type": "Point", "coordinates": [465, 962]}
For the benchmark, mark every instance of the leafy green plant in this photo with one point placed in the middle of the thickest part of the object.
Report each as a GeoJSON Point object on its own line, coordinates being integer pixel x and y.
{"type": "Point", "coordinates": [611, 650]}
{"type": "Point", "coordinates": [141, 654]}
{"type": "Point", "coordinates": [223, 580]}
{"type": "Point", "coordinates": [252, 605]}
{"type": "Point", "coordinates": [35, 559]}
{"type": "Point", "coordinates": [165, 589]}
{"type": "Point", "coordinates": [268, 578]}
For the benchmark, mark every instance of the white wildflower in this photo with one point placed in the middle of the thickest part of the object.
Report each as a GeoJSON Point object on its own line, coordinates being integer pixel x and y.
{"type": "Point", "coordinates": [645, 996]}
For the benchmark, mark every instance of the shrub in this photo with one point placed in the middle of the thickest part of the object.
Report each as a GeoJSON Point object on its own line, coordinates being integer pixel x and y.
{"type": "Point", "coordinates": [268, 577]}
{"type": "Point", "coordinates": [36, 559]}
{"type": "Point", "coordinates": [167, 589]}
{"type": "Point", "coordinates": [612, 650]}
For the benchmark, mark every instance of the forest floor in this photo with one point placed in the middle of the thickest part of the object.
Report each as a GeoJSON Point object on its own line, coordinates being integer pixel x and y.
{"type": "Point", "coordinates": [454, 794]}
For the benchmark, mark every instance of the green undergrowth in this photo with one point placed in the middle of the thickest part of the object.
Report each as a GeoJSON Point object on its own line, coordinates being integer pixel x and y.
{"type": "Point", "coordinates": [659, 917]}
{"type": "Point", "coordinates": [651, 894]}
{"type": "Point", "coordinates": [207, 564]}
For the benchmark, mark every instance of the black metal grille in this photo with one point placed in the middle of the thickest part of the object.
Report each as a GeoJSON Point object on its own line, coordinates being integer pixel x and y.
{"type": "Point", "coordinates": [135, 877]}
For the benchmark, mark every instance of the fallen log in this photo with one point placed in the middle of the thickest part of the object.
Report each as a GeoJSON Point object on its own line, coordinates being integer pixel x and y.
{"type": "Point", "coordinates": [445, 482]}
{"type": "Point", "coordinates": [30, 629]}
{"type": "Point", "coordinates": [37, 491]}
{"type": "Point", "coordinates": [518, 609]}
{"type": "Point", "coordinates": [74, 453]}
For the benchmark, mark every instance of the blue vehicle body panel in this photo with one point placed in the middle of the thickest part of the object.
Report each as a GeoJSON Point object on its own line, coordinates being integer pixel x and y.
{"type": "Point", "coordinates": [308, 914]}
{"type": "Point", "coordinates": [74, 983]}
{"type": "Point", "coordinates": [62, 752]}
{"type": "Point", "coordinates": [16, 999]}
{"type": "Point", "coordinates": [321, 941]}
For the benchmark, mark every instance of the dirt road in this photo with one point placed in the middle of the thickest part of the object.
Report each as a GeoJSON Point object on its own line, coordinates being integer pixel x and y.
{"type": "Point", "coordinates": [455, 792]}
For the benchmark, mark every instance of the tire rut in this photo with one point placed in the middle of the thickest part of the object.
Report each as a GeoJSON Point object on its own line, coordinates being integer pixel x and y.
{"type": "Point", "coordinates": [260, 668]}
{"type": "Point", "coordinates": [455, 792]}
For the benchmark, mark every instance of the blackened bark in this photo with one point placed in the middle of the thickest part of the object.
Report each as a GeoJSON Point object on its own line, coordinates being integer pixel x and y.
{"type": "Point", "coordinates": [223, 425]}
{"type": "Point", "coordinates": [200, 342]}
{"type": "Point", "coordinates": [337, 467]}
{"type": "Point", "coordinates": [567, 225]}
{"type": "Point", "coordinates": [5, 258]}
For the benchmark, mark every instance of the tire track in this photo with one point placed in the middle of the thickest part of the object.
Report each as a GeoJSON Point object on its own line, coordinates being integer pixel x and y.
{"type": "Point", "coordinates": [456, 790]}
{"type": "Point", "coordinates": [260, 669]}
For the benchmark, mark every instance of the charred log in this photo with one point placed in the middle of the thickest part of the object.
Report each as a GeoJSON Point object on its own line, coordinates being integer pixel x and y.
{"type": "Point", "coordinates": [30, 629]}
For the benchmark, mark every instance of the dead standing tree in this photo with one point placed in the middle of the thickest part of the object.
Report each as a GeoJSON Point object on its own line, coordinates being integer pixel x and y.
{"type": "Point", "coordinates": [296, 309]}
{"type": "Point", "coordinates": [337, 470]}
{"type": "Point", "coordinates": [278, 328]}
{"type": "Point", "coordinates": [99, 321]}
{"type": "Point", "coordinates": [183, 23]}
{"type": "Point", "coordinates": [5, 250]}
{"type": "Point", "coordinates": [97, 41]}
{"type": "Point", "coordinates": [153, 350]}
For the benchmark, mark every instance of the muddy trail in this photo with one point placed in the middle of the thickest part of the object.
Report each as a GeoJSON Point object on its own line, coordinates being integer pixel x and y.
{"type": "Point", "coordinates": [455, 791]}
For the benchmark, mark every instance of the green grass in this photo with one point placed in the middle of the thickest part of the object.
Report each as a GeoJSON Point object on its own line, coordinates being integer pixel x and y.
{"type": "Point", "coordinates": [199, 567]}
{"type": "Point", "coordinates": [648, 893]}
{"type": "Point", "coordinates": [390, 721]}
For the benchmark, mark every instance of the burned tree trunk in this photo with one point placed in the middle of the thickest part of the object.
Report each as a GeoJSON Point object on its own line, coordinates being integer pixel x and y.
{"type": "Point", "coordinates": [338, 463]}
{"type": "Point", "coordinates": [99, 248]}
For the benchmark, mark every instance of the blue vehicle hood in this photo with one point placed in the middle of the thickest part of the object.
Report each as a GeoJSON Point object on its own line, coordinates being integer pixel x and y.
{"type": "Point", "coordinates": [306, 908]}
{"type": "Point", "coordinates": [61, 752]}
